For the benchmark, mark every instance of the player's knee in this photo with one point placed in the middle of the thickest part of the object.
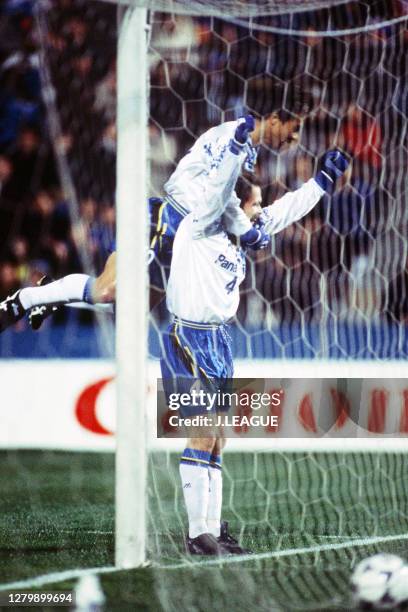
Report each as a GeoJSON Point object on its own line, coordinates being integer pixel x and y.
{"type": "Point", "coordinates": [204, 444]}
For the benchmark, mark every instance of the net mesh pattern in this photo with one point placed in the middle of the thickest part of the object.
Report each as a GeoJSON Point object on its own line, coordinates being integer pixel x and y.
{"type": "Point", "coordinates": [241, 8]}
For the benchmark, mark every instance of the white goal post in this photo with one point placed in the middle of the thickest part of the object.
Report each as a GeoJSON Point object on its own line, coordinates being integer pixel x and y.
{"type": "Point", "coordinates": [132, 295]}
{"type": "Point", "coordinates": [132, 302]}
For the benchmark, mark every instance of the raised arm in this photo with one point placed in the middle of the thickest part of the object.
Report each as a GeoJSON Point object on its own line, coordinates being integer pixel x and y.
{"type": "Point", "coordinates": [291, 207]}
{"type": "Point", "coordinates": [225, 162]}
{"type": "Point", "coordinates": [296, 204]}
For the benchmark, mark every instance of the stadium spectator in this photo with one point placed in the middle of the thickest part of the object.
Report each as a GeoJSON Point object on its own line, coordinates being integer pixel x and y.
{"type": "Point", "coordinates": [361, 136]}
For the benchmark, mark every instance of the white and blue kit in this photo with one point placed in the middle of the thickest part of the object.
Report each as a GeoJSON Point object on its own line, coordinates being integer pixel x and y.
{"type": "Point", "coordinates": [203, 295]}
{"type": "Point", "coordinates": [206, 174]}
{"type": "Point", "coordinates": [203, 287]}
{"type": "Point", "coordinates": [291, 207]}
{"type": "Point", "coordinates": [197, 344]}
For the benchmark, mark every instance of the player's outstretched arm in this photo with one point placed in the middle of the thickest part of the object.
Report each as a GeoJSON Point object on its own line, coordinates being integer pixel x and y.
{"type": "Point", "coordinates": [296, 204]}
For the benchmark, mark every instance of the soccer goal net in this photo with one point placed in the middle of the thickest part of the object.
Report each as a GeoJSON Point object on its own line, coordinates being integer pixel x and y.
{"type": "Point", "coordinates": [331, 288]}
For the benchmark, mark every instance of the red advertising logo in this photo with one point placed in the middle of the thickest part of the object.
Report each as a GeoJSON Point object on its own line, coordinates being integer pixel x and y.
{"type": "Point", "coordinates": [85, 409]}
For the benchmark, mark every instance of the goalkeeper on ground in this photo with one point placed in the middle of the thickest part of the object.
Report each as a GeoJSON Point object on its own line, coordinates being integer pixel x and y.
{"type": "Point", "coordinates": [203, 295]}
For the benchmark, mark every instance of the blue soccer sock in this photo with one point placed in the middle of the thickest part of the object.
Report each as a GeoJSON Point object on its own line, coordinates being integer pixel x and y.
{"type": "Point", "coordinates": [88, 289]}
{"type": "Point", "coordinates": [195, 482]}
{"type": "Point", "coordinates": [215, 497]}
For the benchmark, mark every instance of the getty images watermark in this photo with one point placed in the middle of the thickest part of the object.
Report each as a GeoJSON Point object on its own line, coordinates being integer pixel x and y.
{"type": "Point", "coordinates": [201, 408]}
{"type": "Point", "coordinates": [287, 408]}
{"type": "Point", "coordinates": [197, 408]}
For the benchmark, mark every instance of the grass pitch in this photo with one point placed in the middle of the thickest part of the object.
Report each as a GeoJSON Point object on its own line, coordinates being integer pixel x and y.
{"type": "Point", "coordinates": [308, 518]}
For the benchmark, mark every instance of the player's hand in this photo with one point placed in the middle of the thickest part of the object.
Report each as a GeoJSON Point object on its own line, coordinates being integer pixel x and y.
{"type": "Point", "coordinates": [256, 238]}
{"type": "Point", "coordinates": [245, 127]}
{"type": "Point", "coordinates": [332, 166]}
{"type": "Point", "coordinates": [250, 160]}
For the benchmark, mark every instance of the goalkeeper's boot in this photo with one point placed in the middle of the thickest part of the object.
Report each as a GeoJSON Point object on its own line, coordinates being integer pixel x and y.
{"type": "Point", "coordinates": [38, 314]}
{"type": "Point", "coordinates": [205, 544]}
{"type": "Point", "coordinates": [11, 311]}
{"type": "Point", "coordinates": [229, 543]}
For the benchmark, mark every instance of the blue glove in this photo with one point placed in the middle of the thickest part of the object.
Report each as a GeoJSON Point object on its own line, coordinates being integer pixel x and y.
{"type": "Point", "coordinates": [333, 166]}
{"type": "Point", "coordinates": [245, 127]}
{"type": "Point", "coordinates": [256, 238]}
{"type": "Point", "coordinates": [250, 160]}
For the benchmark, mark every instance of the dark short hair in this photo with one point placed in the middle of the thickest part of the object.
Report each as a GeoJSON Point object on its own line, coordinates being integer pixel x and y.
{"type": "Point", "coordinates": [243, 188]}
{"type": "Point", "coordinates": [266, 96]}
{"type": "Point", "coordinates": [298, 101]}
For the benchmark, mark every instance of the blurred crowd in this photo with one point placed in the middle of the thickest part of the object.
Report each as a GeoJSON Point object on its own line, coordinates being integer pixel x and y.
{"type": "Point", "coordinates": [46, 228]}
{"type": "Point", "coordinates": [350, 254]}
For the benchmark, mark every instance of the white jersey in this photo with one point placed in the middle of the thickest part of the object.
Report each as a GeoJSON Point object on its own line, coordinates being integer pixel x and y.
{"type": "Point", "coordinates": [205, 275]}
{"type": "Point", "coordinates": [206, 271]}
{"type": "Point", "coordinates": [291, 207]}
{"type": "Point", "coordinates": [206, 178]}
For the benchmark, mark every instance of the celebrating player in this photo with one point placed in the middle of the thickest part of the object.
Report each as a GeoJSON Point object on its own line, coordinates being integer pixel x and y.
{"type": "Point", "coordinates": [188, 186]}
{"type": "Point", "coordinates": [81, 287]}
{"type": "Point", "coordinates": [203, 295]}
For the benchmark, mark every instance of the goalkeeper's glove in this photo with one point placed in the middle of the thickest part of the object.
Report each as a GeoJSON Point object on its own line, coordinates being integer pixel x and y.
{"type": "Point", "coordinates": [256, 238]}
{"type": "Point", "coordinates": [250, 160]}
{"type": "Point", "coordinates": [332, 166]}
{"type": "Point", "coordinates": [245, 127]}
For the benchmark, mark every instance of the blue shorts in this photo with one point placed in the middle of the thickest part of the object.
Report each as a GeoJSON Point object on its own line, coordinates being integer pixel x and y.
{"type": "Point", "coordinates": [165, 221]}
{"type": "Point", "coordinates": [154, 206]}
{"type": "Point", "coordinates": [165, 216]}
{"type": "Point", "coordinates": [196, 352]}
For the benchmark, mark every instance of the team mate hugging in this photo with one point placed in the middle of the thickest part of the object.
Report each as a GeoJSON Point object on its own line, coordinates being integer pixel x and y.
{"type": "Point", "coordinates": [189, 187]}
{"type": "Point", "coordinates": [206, 270]}
{"type": "Point", "coordinates": [199, 178]}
